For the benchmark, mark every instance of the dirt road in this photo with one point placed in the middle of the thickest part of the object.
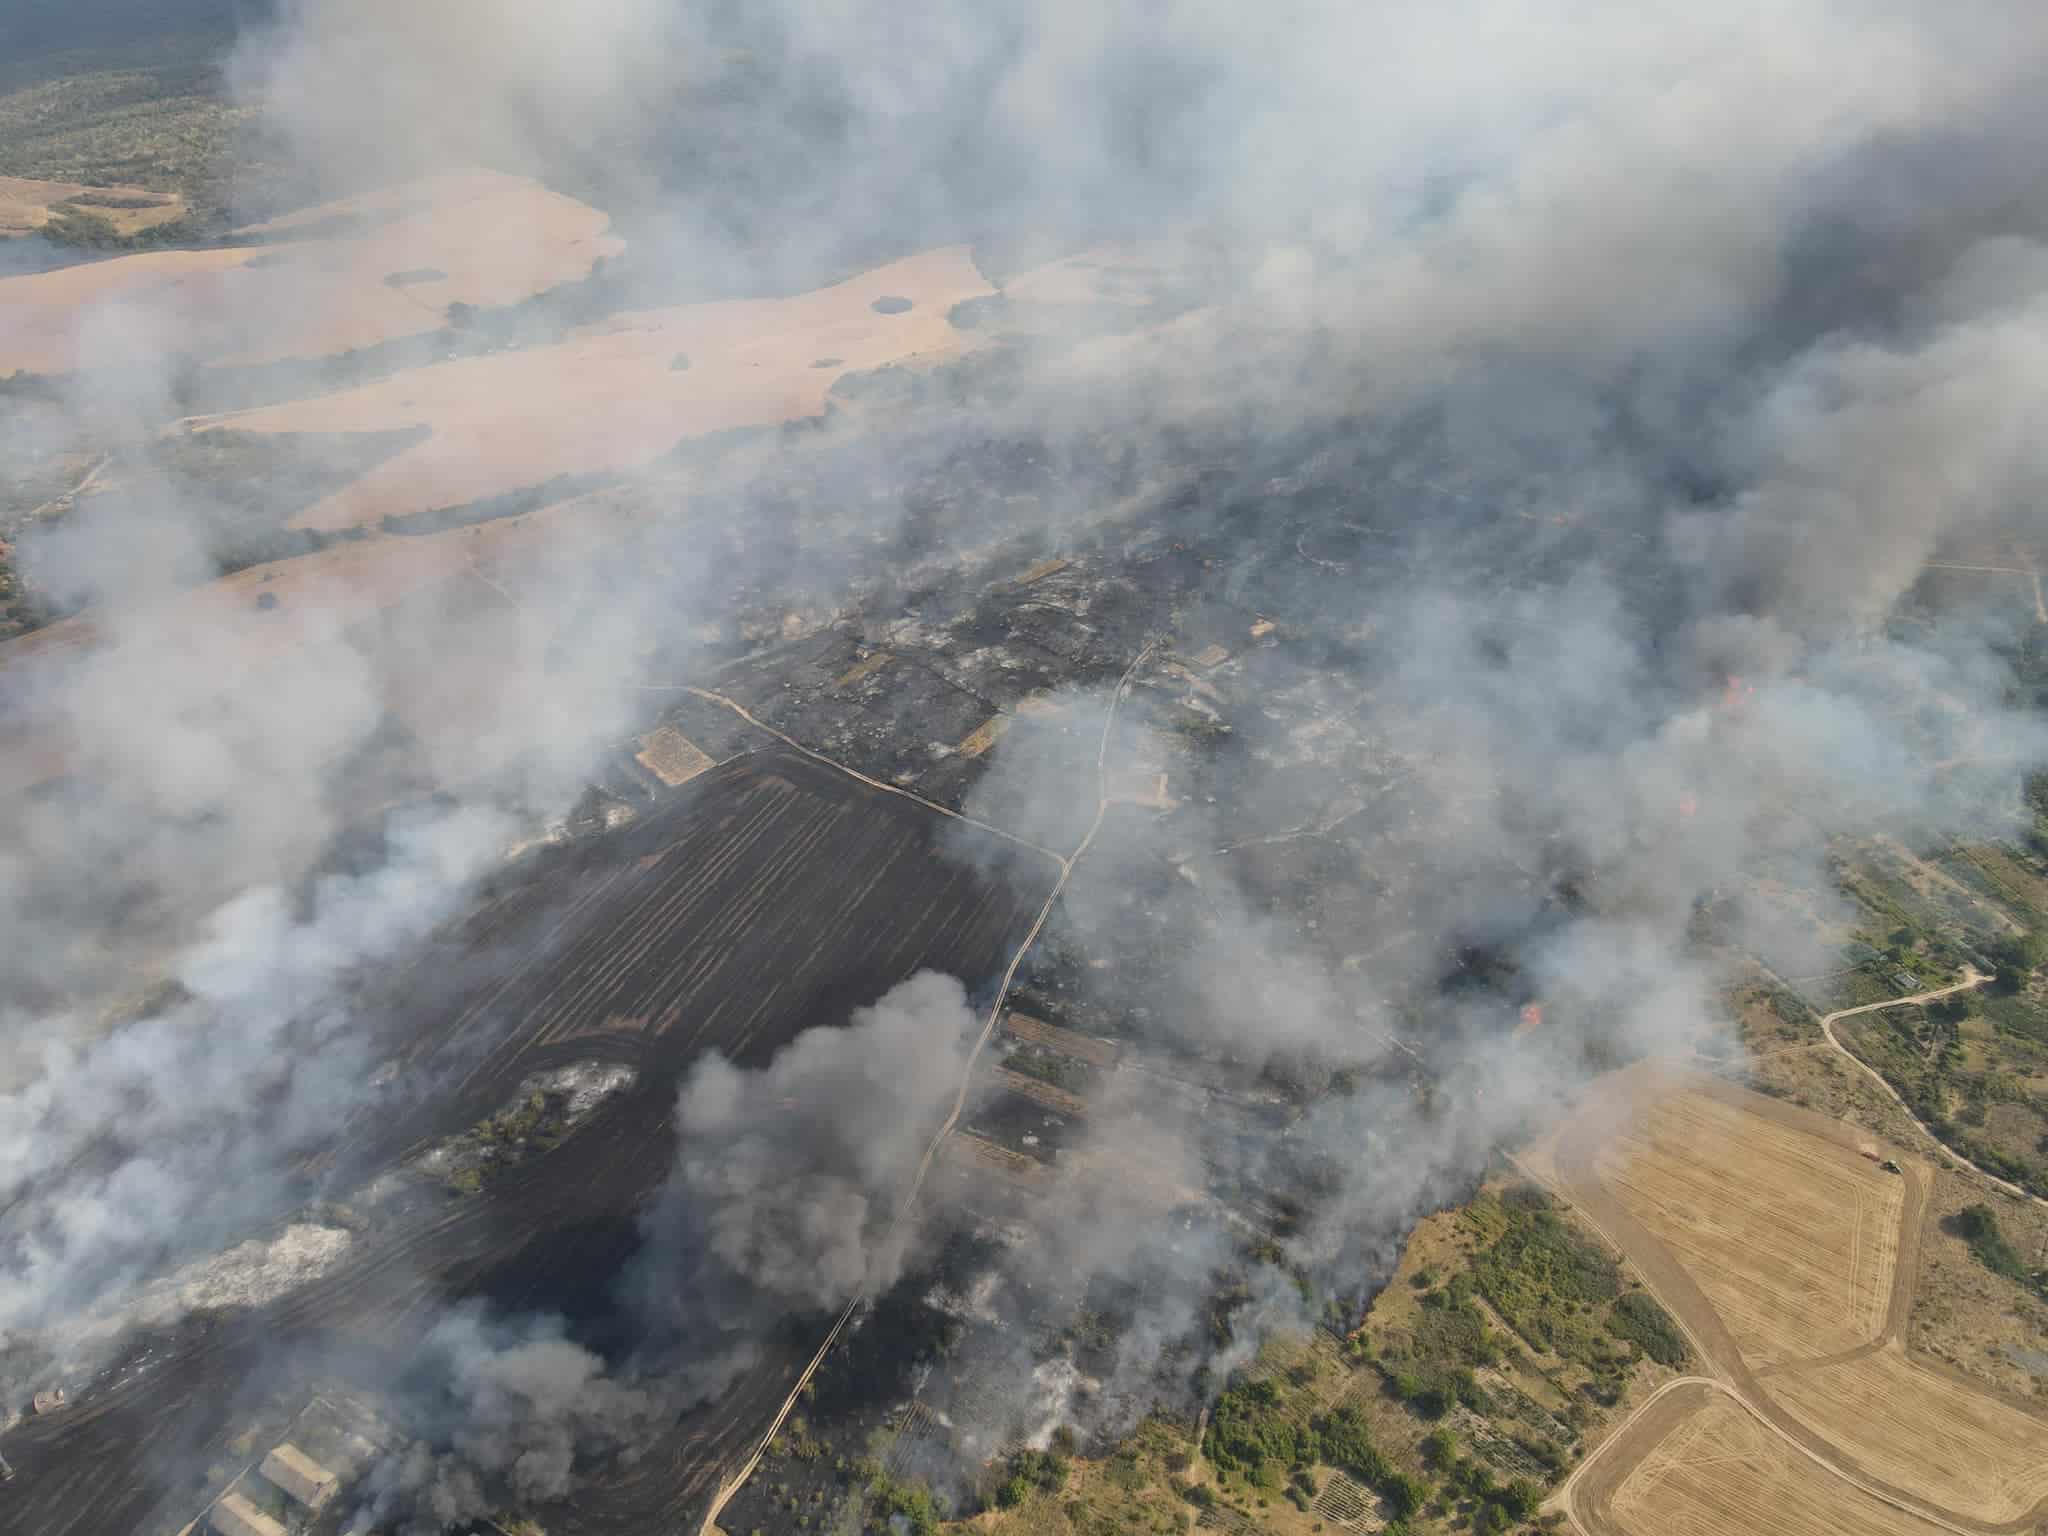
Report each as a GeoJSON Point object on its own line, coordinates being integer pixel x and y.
{"type": "Point", "coordinates": [1586, 1496]}
{"type": "Point", "coordinates": [995, 1014]}
{"type": "Point", "coordinates": [1971, 979]}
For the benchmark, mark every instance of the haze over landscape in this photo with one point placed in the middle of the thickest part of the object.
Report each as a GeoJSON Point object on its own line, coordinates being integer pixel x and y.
{"type": "Point", "coordinates": [1072, 768]}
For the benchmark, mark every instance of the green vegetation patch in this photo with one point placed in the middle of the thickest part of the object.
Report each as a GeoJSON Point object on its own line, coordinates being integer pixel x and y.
{"type": "Point", "coordinates": [1541, 1276]}
{"type": "Point", "coordinates": [1257, 1434]}
{"type": "Point", "coordinates": [1637, 1318]}
{"type": "Point", "coordinates": [147, 111]}
{"type": "Point", "coordinates": [1977, 1225]}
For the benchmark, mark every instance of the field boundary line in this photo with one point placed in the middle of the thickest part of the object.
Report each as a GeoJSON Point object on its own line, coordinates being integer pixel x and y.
{"type": "Point", "coordinates": [853, 773]}
{"type": "Point", "coordinates": [1728, 1380]}
{"type": "Point", "coordinates": [995, 1013]}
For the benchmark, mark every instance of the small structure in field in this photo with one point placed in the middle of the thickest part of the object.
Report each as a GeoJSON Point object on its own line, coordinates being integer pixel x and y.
{"type": "Point", "coordinates": [299, 1476]}
{"type": "Point", "coordinates": [234, 1515]}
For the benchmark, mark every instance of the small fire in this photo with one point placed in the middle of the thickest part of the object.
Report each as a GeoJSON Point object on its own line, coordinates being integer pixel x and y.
{"type": "Point", "coordinates": [1735, 693]}
{"type": "Point", "coordinates": [1688, 805]}
{"type": "Point", "coordinates": [1532, 1018]}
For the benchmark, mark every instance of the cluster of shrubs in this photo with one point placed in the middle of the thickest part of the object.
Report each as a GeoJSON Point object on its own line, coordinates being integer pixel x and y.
{"type": "Point", "coordinates": [1251, 1435]}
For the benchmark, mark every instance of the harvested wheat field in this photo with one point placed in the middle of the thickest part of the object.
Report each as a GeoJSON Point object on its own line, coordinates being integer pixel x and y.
{"type": "Point", "coordinates": [1923, 1432]}
{"type": "Point", "coordinates": [1791, 1236]}
{"type": "Point", "coordinates": [1040, 1092]}
{"type": "Point", "coordinates": [26, 206]}
{"type": "Point", "coordinates": [1718, 1472]}
{"type": "Point", "coordinates": [973, 1154]}
{"type": "Point", "coordinates": [1099, 1053]}
{"type": "Point", "coordinates": [671, 756]}
{"type": "Point", "coordinates": [624, 392]}
{"type": "Point", "coordinates": [339, 276]}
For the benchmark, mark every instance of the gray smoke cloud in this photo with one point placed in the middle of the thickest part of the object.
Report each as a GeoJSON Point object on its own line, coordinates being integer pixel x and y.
{"type": "Point", "coordinates": [788, 1179]}
{"type": "Point", "coordinates": [1756, 300]}
{"type": "Point", "coordinates": [519, 1405]}
{"type": "Point", "coordinates": [126, 1151]}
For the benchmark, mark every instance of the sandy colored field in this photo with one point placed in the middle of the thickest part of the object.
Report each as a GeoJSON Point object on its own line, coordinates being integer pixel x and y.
{"type": "Point", "coordinates": [616, 395]}
{"type": "Point", "coordinates": [1922, 1431]}
{"type": "Point", "coordinates": [1101, 1053]}
{"type": "Point", "coordinates": [319, 287]}
{"type": "Point", "coordinates": [1717, 1472]}
{"type": "Point", "coordinates": [972, 1154]}
{"type": "Point", "coordinates": [671, 756]}
{"type": "Point", "coordinates": [1053, 1097]}
{"type": "Point", "coordinates": [1793, 1238]}
{"type": "Point", "coordinates": [26, 206]}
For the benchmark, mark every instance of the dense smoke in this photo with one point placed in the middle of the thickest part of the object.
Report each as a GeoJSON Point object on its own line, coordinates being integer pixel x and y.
{"type": "Point", "coordinates": [165, 1136]}
{"type": "Point", "coordinates": [1758, 297]}
{"type": "Point", "coordinates": [788, 1180]}
{"type": "Point", "coordinates": [517, 1405]}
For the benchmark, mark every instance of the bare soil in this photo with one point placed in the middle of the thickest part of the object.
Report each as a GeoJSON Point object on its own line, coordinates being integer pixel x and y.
{"type": "Point", "coordinates": [26, 206]}
{"type": "Point", "coordinates": [609, 399]}
{"type": "Point", "coordinates": [1714, 1471]}
{"type": "Point", "coordinates": [318, 286]}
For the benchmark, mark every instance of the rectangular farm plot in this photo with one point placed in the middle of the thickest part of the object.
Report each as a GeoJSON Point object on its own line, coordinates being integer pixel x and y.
{"type": "Point", "coordinates": [671, 756]}
{"type": "Point", "coordinates": [1097, 1053]}
{"type": "Point", "coordinates": [1792, 1237]}
{"type": "Point", "coordinates": [1953, 1445]}
{"type": "Point", "coordinates": [1720, 1473]}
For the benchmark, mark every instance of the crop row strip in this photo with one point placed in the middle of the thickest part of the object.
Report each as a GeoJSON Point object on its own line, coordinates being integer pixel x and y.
{"type": "Point", "coordinates": [995, 1013]}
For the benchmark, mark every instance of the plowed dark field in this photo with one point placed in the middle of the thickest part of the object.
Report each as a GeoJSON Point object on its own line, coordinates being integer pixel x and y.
{"type": "Point", "coordinates": [770, 895]}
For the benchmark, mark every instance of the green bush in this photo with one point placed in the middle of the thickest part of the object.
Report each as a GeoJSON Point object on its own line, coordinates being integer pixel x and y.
{"type": "Point", "coordinates": [1978, 1226]}
{"type": "Point", "coordinates": [888, 1498]}
{"type": "Point", "coordinates": [1637, 1318]}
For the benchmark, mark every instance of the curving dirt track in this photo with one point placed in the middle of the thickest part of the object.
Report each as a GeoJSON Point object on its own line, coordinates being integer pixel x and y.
{"type": "Point", "coordinates": [769, 895]}
{"type": "Point", "coordinates": [1853, 1455]}
{"type": "Point", "coordinates": [1971, 979]}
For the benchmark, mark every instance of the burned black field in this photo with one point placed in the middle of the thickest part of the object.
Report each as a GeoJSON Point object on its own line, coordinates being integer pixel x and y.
{"type": "Point", "coordinates": [770, 895]}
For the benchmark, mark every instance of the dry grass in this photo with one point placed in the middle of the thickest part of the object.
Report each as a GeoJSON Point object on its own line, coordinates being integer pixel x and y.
{"type": "Point", "coordinates": [1720, 1473]}
{"type": "Point", "coordinates": [1099, 1053]}
{"type": "Point", "coordinates": [1924, 1432]}
{"type": "Point", "coordinates": [1040, 1092]}
{"type": "Point", "coordinates": [671, 756]}
{"type": "Point", "coordinates": [1792, 1237]}
{"type": "Point", "coordinates": [27, 206]}
{"type": "Point", "coordinates": [974, 1154]}
{"type": "Point", "coordinates": [861, 671]}
{"type": "Point", "coordinates": [1974, 1321]}
{"type": "Point", "coordinates": [319, 286]}
{"type": "Point", "coordinates": [610, 397]}
{"type": "Point", "coordinates": [983, 736]}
